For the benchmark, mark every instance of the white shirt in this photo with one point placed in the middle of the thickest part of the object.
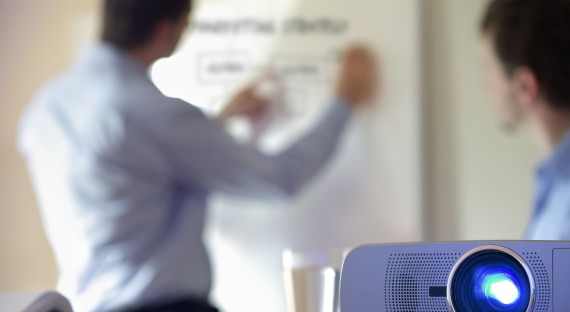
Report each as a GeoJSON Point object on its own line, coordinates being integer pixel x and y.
{"type": "Point", "coordinates": [122, 174]}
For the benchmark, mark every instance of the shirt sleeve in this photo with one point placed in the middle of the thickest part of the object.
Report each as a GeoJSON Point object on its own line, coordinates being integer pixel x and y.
{"type": "Point", "coordinates": [203, 153]}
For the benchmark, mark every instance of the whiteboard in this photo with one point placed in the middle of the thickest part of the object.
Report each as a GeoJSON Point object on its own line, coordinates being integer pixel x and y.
{"type": "Point", "coordinates": [369, 193]}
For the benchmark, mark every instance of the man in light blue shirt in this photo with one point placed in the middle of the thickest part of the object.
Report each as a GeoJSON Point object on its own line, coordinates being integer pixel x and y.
{"type": "Point", "coordinates": [122, 173]}
{"type": "Point", "coordinates": [527, 55]}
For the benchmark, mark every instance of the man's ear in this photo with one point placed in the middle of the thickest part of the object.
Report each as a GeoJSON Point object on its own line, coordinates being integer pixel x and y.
{"type": "Point", "coordinates": [526, 88]}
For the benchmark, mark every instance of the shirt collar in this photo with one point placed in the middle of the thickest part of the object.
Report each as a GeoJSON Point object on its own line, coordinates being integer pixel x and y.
{"type": "Point", "coordinates": [558, 163]}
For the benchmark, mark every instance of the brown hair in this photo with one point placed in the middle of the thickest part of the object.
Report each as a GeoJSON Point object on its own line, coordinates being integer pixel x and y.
{"type": "Point", "coordinates": [533, 34]}
{"type": "Point", "coordinates": [130, 23]}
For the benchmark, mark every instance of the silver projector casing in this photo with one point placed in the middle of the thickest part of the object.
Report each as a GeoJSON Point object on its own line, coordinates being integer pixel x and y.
{"type": "Point", "coordinates": [406, 277]}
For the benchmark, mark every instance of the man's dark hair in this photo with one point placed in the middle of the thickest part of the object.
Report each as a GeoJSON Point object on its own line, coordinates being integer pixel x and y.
{"type": "Point", "coordinates": [129, 23]}
{"type": "Point", "coordinates": [533, 34]}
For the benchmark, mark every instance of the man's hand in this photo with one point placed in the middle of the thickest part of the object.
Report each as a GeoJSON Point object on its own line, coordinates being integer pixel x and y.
{"type": "Point", "coordinates": [246, 103]}
{"type": "Point", "coordinates": [358, 76]}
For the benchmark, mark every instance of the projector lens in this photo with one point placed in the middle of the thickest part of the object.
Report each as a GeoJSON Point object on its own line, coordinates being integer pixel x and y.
{"type": "Point", "coordinates": [490, 279]}
{"type": "Point", "coordinates": [501, 287]}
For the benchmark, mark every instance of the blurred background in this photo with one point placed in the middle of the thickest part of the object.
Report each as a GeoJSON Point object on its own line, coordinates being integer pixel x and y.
{"type": "Point", "coordinates": [454, 174]}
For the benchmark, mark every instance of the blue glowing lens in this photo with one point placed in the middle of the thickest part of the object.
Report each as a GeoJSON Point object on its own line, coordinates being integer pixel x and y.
{"type": "Point", "coordinates": [502, 288]}
{"type": "Point", "coordinates": [490, 281]}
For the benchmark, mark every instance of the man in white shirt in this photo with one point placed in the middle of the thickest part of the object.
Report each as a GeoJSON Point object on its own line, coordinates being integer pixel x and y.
{"type": "Point", "coordinates": [122, 172]}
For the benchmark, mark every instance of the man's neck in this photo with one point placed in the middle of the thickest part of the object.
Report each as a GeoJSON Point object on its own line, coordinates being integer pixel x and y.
{"type": "Point", "coordinates": [550, 127]}
{"type": "Point", "coordinates": [144, 56]}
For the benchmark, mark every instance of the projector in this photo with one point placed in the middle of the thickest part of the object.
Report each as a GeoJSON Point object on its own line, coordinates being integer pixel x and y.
{"type": "Point", "coordinates": [483, 276]}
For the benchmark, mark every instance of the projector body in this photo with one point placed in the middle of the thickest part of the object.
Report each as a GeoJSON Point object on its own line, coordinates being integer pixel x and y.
{"type": "Point", "coordinates": [458, 277]}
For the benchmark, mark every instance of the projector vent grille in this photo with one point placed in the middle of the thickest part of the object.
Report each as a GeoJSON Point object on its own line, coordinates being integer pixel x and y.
{"type": "Point", "coordinates": [542, 281]}
{"type": "Point", "coordinates": [409, 276]}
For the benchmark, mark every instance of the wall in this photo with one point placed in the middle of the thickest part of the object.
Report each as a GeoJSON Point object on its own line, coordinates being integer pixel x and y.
{"type": "Point", "coordinates": [478, 177]}
{"type": "Point", "coordinates": [39, 39]}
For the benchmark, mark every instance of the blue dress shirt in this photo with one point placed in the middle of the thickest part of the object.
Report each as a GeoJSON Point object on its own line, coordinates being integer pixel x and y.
{"type": "Point", "coordinates": [122, 174]}
{"type": "Point", "coordinates": [551, 216]}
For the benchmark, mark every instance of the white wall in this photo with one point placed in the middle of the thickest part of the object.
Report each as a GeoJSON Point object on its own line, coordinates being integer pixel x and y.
{"type": "Point", "coordinates": [479, 178]}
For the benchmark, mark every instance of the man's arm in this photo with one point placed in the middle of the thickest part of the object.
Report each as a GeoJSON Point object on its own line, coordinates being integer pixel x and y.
{"type": "Point", "coordinates": [204, 154]}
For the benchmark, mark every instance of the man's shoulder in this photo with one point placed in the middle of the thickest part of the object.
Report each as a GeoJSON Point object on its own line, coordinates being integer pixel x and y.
{"type": "Point", "coordinates": [52, 87]}
{"type": "Point", "coordinates": [45, 98]}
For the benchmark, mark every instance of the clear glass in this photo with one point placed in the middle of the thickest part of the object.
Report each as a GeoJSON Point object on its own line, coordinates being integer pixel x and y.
{"type": "Point", "coordinates": [311, 280]}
